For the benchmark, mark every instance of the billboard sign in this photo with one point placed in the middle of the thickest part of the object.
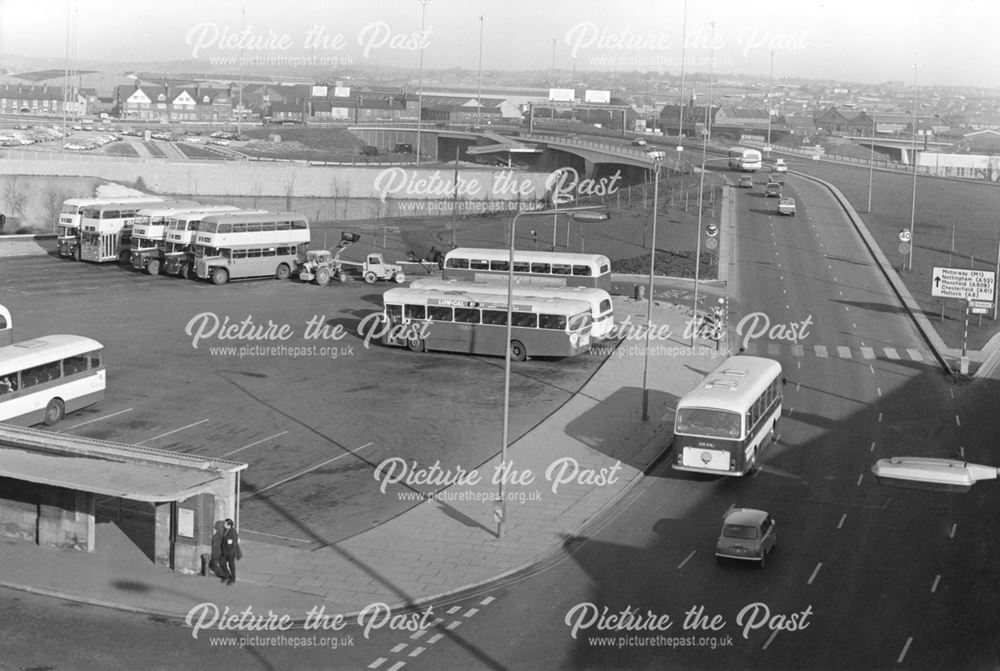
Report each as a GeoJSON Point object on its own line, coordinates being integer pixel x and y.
{"type": "Point", "coordinates": [597, 97]}
{"type": "Point", "coordinates": [562, 95]}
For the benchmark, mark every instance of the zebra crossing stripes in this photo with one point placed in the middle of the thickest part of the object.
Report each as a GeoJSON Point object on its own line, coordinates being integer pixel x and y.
{"type": "Point", "coordinates": [842, 351]}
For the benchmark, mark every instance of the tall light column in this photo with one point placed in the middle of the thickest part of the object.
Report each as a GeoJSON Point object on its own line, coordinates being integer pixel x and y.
{"type": "Point", "coordinates": [913, 157]}
{"type": "Point", "coordinates": [701, 193]}
{"type": "Point", "coordinates": [649, 295]}
{"type": "Point", "coordinates": [479, 92]}
{"type": "Point", "coordinates": [239, 107]}
{"type": "Point", "coordinates": [680, 121]}
{"type": "Point", "coordinates": [420, 76]}
{"type": "Point", "coordinates": [770, 86]}
{"type": "Point", "coordinates": [871, 165]}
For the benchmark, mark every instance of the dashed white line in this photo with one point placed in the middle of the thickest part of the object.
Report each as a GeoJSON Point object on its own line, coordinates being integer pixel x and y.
{"type": "Point", "coordinates": [256, 442]}
{"type": "Point", "coordinates": [377, 663]}
{"type": "Point", "coordinates": [953, 528]}
{"type": "Point", "coordinates": [840, 524]}
{"type": "Point", "coordinates": [399, 647]}
{"type": "Point", "coordinates": [435, 638]}
{"type": "Point", "coordinates": [843, 352]}
{"type": "Point", "coordinates": [487, 601]}
{"type": "Point", "coordinates": [878, 390]}
{"type": "Point", "coordinates": [872, 448]}
{"type": "Point", "coordinates": [416, 651]}
{"type": "Point", "coordinates": [958, 420]}
{"type": "Point", "coordinates": [820, 351]}
{"type": "Point", "coordinates": [906, 647]}
{"type": "Point", "coordinates": [454, 624]}
{"type": "Point", "coordinates": [686, 559]}
{"type": "Point", "coordinates": [814, 573]}
{"type": "Point", "coordinates": [453, 610]}
{"type": "Point", "coordinates": [770, 638]}
{"type": "Point", "coordinates": [471, 612]}
{"type": "Point", "coordinates": [97, 419]}
{"type": "Point", "coordinates": [937, 579]}
{"type": "Point", "coordinates": [418, 634]}
{"type": "Point", "coordinates": [890, 352]}
{"type": "Point", "coordinates": [164, 435]}
{"type": "Point", "coordinates": [880, 417]}
{"type": "Point", "coordinates": [860, 478]}
{"type": "Point", "coordinates": [868, 353]}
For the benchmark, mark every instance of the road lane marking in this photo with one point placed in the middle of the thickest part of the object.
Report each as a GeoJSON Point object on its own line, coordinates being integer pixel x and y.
{"type": "Point", "coordinates": [840, 525]}
{"type": "Point", "coordinates": [820, 351]}
{"type": "Point", "coordinates": [872, 448]}
{"type": "Point", "coordinates": [860, 478]}
{"type": "Point", "coordinates": [798, 350]}
{"type": "Point", "coordinates": [890, 352]}
{"type": "Point", "coordinates": [880, 417]}
{"type": "Point", "coordinates": [815, 571]}
{"type": "Point", "coordinates": [377, 663]}
{"type": "Point", "coordinates": [308, 470]}
{"type": "Point", "coordinates": [958, 421]}
{"type": "Point", "coordinates": [773, 349]}
{"type": "Point", "coordinates": [398, 648]}
{"type": "Point", "coordinates": [906, 647]}
{"type": "Point", "coordinates": [453, 610]}
{"type": "Point", "coordinates": [915, 354]}
{"type": "Point", "coordinates": [937, 579]}
{"type": "Point", "coordinates": [471, 612]}
{"type": "Point", "coordinates": [843, 352]}
{"type": "Point", "coordinates": [258, 442]}
{"type": "Point", "coordinates": [454, 624]}
{"type": "Point", "coordinates": [164, 435]}
{"type": "Point", "coordinates": [770, 638]}
{"type": "Point", "coordinates": [953, 528]}
{"type": "Point", "coordinates": [416, 651]}
{"type": "Point", "coordinates": [687, 559]}
{"type": "Point", "coordinates": [878, 390]}
{"type": "Point", "coordinates": [397, 666]}
{"type": "Point", "coordinates": [487, 601]}
{"type": "Point", "coordinates": [97, 419]}
{"type": "Point", "coordinates": [418, 634]}
{"type": "Point", "coordinates": [867, 353]}
{"type": "Point", "coordinates": [435, 638]}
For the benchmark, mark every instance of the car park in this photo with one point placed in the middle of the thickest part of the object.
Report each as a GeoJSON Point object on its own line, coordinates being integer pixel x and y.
{"type": "Point", "coordinates": [786, 206]}
{"type": "Point", "coordinates": [745, 182]}
{"type": "Point", "coordinates": [747, 534]}
{"type": "Point", "coordinates": [772, 189]}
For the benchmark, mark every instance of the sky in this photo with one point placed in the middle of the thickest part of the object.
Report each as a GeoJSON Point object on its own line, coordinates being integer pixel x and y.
{"type": "Point", "coordinates": [938, 43]}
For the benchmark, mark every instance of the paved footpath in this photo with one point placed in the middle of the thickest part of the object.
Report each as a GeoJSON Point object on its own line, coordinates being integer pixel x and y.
{"type": "Point", "coordinates": [583, 458]}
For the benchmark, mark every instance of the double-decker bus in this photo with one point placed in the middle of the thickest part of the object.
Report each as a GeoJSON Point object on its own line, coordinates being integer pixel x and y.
{"type": "Point", "coordinates": [43, 379]}
{"type": "Point", "coordinates": [602, 312]}
{"type": "Point", "coordinates": [71, 214]}
{"type": "Point", "coordinates": [178, 246]}
{"type": "Point", "coordinates": [476, 323]}
{"type": "Point", "coordinates": [543, 269]}
{"type": "Point", "coordinates": [149, 233]}
{"type": "Point", "coordinates": [724, 423]}
{"type": "Point", "coordinates": [233, 246]}
{"type": "Point", "coordinates": [744, 158]}
{"type": "Point", "coordinates": [106, 229]}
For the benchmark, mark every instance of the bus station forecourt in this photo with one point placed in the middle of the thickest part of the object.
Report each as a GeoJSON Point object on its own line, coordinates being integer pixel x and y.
{"type": "Point", "coordinates": [575, 464]}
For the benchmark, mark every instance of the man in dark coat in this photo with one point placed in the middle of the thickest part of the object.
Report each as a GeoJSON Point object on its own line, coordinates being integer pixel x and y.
{"type": "Point", "coordinates": [230, 552]}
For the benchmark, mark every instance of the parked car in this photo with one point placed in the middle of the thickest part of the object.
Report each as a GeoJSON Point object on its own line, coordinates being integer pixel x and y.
{"type": "Point", "coordinates": [747, 534]}
{"type": "Point", "coordinates": [772, 189]}
{"type": "Point", "coordinates": [786, 206]}
{"type": "Point", "coordinates": [745, 182]}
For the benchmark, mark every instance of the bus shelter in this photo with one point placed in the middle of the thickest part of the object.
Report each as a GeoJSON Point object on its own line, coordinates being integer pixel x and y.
{"type": "Point", "coordinates": [53, 487]}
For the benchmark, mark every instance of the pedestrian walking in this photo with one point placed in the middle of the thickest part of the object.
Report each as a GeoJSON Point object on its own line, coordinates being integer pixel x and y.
{"type": "Point", "coordinates": [231, 552]}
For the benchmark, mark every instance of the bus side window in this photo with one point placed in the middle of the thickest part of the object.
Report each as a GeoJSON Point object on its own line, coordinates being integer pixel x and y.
{"type": "Point", "coordinates": [456, 262]}
{"type": "Point", "coordinates": [581, 270]}
{"type": "Point", "coordinates": [555, 322]}
{"type": "Point", "coordinates": [395, 313]}
{"type": "Point", "coordinates": [495, 317]}
{"type": "Point", "coordinates": [439, 313]}
{"type": "Point", "coordinates": [467, 315]}
{"type": "Point", "coordinates": [94, 359]}
{"type": "Point", "coordinates": [541, 268]}
{"type": "Point", "coordinates": [525, 319]}
{"type": "Point", "coordinates": [522, 267]}
{"type": "Point", "coordinates": [416, 312]}
{"type": "Point", "coordinates": [479, 264]}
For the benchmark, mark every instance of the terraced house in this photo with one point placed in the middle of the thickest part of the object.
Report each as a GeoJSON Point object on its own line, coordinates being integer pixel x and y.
{"type": "Point", "coordinates": [173, 103]}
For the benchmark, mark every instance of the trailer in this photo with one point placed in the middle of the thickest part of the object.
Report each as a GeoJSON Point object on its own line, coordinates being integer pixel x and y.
{"type": "Point", "coordinates": [321, 265]}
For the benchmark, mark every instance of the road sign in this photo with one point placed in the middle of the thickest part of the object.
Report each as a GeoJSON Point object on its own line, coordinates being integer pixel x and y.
{"type": "Point", "coordinates": [904, 248]}
{"type": "Point", "coordinates": [711, 230]}
{"type": "Point", "coordinates": [980, 311]}
{"type": "Point", "coordinates": [711, 243]}
{"type": "Point", "coordinates": [981, 304]}
{"type": "Point", "coordinates": [904, 235]}
{"type": "Point", "coordinates": [977, 285]}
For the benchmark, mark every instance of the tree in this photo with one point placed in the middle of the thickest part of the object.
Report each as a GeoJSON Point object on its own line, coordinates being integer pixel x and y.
{"type": "Point", "coordinates": [15, 197]}
{"type": "Point", "coordinates": [52, 199]}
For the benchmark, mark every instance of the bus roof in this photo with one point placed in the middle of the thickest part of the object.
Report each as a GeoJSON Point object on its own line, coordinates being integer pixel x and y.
{"type": "Point", "coordinates": [204, 211]}
{"type": "Point", "coordinates": [161, 209]}
{"type": "Point", "coordinates": [574, 292]}
{"type": "Point", "coordinates": [527, 255]}
{"type": "Point", "coordinates": [84, 202]}
{"type": "Point", "coordinates": [734, 385]}
{"type": "Point", "coordinates": [254, 217]}
{"type": "Point", "coordinates": [46, 349]}
{"type": "Point", "coordinates": [470, 299]}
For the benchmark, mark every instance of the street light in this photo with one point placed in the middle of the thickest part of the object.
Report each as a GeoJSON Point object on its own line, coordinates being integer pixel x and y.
{"type": "Point", "coordinates": [649, 305]}
{"type": "Point", "coordinates": [420, 76]}
{"type": "Point", "coordinates": [913, 157]}
{"type": "Point", "coordinates": [946, 475]}
{"type": "Point", "coordinates": [479, 92]}
{"type": "Point", "coordinates": [701, 195]}
{"type": "Point", "coordinates": [770, 85]}
{"type": "Point", "coordinates": [871, 165]}
{"type": "Point", "coordinates": [582, 214]}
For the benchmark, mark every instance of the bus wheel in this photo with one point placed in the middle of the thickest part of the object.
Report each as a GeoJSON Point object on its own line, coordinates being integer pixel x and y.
{"type": "Point", "coordinates": [220, 276]}
{"type": "Point", "coordinates": [517, 351]}
{"type": "Point", "coordinates": [282, 272]}
{"type": "Point", "coordinates": [415, 344]}
{"type": "Point", "coordinates": [322, 276]}
{"type": "Point", "coordinates": [153, 267]}
{"type": "Point", "coordinates": [370, 277]}
{"type": "Point", "coordinates": [54, 411]}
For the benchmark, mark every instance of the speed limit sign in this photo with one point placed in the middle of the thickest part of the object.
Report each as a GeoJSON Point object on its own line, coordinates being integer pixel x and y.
{"type": "Point", "coordinates": [904, 235]}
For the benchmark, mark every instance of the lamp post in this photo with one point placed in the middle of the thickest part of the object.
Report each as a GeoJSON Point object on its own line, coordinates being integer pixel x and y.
{"type": "Point", "coordinates": [770, 85]}
{"type": "Point", "coordinates": [239, 106]}
{"type": "Point", "coordinates": [649, 297]}
{"type": "Point", "coordinates": [871, 165]}
{"type": "Point", "coordinates": [479, 91]}
{"type": "Point", "coordinates": [701, 196]}
{"type": "Point", "coordinates": [913, 157]}
{"type": "Point", "coordinates": [420, 77]}
{"type": "Point", "coordinates": [583, 213]}
{"type": "Point", "coordinates": [680, 122]}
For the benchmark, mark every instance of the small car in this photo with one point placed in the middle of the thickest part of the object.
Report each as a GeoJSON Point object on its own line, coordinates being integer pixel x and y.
{"type": "Point", "coordinates": [639, 142]}
{"type": "Point", "coordinates": [747, 534]}
{"type": "Point", "coordinates": [786, 206]}
{"type": "Point", "coordinates": [780, 165]}
{"type": "Point", "coordinates": [778, 177]}
{"type": "Point", "coordinates": [772, 189]}
{"type": "Point", "coordinates": [745, 182]}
